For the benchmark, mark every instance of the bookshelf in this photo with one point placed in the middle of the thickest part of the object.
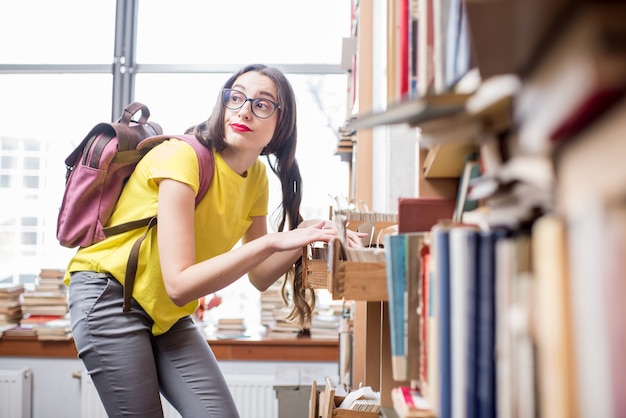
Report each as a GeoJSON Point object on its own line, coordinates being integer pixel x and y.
{"type": "Point", "coordinates": [551, 97]}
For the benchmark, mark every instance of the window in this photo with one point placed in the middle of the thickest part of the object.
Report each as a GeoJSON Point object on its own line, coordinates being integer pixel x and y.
{"type": "Point", "coordinates": [56, 85]}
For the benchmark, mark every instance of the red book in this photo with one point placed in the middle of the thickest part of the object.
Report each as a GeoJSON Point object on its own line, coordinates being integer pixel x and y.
{"type": "Point", "coordinates": [420, 214]}
{"type": "Point", "coordinates": [409, 403]}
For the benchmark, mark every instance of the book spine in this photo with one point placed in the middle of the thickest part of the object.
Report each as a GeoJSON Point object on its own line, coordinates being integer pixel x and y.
{"type": "Point", "coordinates": [441, 257]}
{"type": "Point", "coordinates": [395, 254]}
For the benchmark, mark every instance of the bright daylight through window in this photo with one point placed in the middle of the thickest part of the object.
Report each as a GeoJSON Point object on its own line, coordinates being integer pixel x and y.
{"type": "Point", "coordinates": [56, 85]}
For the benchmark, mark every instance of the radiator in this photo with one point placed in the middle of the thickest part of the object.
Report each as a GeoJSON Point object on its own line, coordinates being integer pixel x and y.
{"type": "Point", "coordinates": [16, 388]}
{"type": "Point", "coordinates": [253, 393]}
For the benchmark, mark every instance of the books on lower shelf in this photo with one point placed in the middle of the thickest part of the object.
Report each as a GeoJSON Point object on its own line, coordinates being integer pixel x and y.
{"type": "Point", "coordinates": [57, 329]}
{"type": "Point", "coordinates": [409, 403]}
{"type": "Point", "coordinates": [470, 313]}
{"type": "Point", "coordinates": [407, 286]}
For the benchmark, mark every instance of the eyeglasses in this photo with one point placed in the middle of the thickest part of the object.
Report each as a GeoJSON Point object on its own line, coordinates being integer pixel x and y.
{"type": "Point", "coordinates": [262, 108]}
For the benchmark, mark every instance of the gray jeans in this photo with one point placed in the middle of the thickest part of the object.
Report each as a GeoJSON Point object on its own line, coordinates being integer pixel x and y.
{"type": "Point", "coordinates": [130, 367]}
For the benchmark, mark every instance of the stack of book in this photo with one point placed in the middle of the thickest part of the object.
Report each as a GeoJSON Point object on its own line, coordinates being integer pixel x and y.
{"type": "Point", "coordinates": [43, 306]}
{"type": "Point", "coordinates": [10, 303]}
{"type": "Point", "coordinates": [18, 330]}
{"type": "Point", "coordinates": [325, 322]}
{"type": "Point", "coordinates": [55, 330]}
{"type": "Point", "coordinates": [230, 327]}
{"type": "Point", "coordinates": [50, 280]}
{"type": "Point", "coordinates": [48, 300]}
{"type": "Point", "coordinates": [271, 302]}
{"type": "Point", "coordinates": [280, 327]}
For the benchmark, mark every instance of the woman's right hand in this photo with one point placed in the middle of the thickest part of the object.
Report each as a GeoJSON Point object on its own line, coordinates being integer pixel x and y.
{"type": "Point", "coordinates": [302, 236]}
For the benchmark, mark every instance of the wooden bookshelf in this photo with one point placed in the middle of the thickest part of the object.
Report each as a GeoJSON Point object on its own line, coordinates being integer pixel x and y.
{"type": "Point", "coordinates": [553, 48]}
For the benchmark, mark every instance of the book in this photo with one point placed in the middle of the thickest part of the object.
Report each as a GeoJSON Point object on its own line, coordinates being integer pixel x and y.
{"type": "Point", "coordinates": [51, 273]}
{"type": "Point", "coordinates": [8, 303]}
{"type": "Point", "coordinates": [425, 311]}
{"type": "Point", "coordinates": [231, 323]}
{"type": "Point", "coordinates": [20, 330]}
{"type": "Point", "coordinates": [505, 266]}
{"type": "Point", "coordinates": [588, 245]}
{"type": "Point", "coordinates": [45, 309]}
{"type": "Point", "coordinates": [10, 290]}
{"type": "Point", "coordinates": [486, 324]}
{"type": "Point", "coordinates": [457, 53]}
{"type": "Point", "coordinates": [615, 291]}
{"type": "Point", "coordinates": [12, 310]}
{"type": "Point", "coordinates": [30, 318]}
{"type": "Point", "coordinates": [515, 372]}
{"type": "Point", "coordinates": [463, 276]}
{"type": "Point", "coordinates": [409, 403]}
{"type": "Point", "coordinates": [396, 267]}
{"type": "Point", "coordinates": [471, 170]}
{"type": "Point", "coordinates": [54, 330]}
{"type": "Point", "coordinates": [420, 214]}
{"type": "Point", "coordinates": [440, 285]}
{"type": "Point", "coordinates": [415, 315]}
{"type": "Point", "coordinates": [44, 298]}
{"type": "Point", "coordinates": [555, 353]}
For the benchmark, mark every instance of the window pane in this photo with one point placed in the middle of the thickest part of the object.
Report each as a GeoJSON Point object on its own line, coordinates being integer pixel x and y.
{"type": "Point", "coordinates": [42, 118]}
{"type": "Point", "coordinates": [31, 182]}
{"type": "Point", "coordinates": [29, 238]}
{"type": "Point", "coordinates": [57, 32]}
{"type": "Point", "coordinates": [7, 222]}
{"type": "Point", "coordinates": [29, 221]}
{"type": "Point", "coordinates": [31, 163]}
{"type": "Point", "coordinates": [242, 32]}
{"type": "Point", "coordinates": [6, 144]}
{"type": "Point", "coordinates": [8, 162]}
{"type": "Point", "coordinates": [6, 238]}
{"type": "Point", "coordinates": [31, 144]}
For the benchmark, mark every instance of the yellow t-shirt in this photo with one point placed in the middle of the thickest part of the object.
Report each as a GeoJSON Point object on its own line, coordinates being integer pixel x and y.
{"type": "Point", "coordinates": [221, 218]}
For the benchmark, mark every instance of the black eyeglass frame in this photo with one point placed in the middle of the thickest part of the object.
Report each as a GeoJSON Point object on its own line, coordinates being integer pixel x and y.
{"type": "Point", "coordinates": [225, 98]}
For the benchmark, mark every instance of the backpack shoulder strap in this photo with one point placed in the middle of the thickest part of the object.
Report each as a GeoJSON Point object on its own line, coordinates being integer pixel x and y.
{"type": "Point", "coordinates": [206, 160]}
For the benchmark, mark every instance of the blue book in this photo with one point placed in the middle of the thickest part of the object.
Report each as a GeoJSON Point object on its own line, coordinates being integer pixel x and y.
{"type": "Point", "coordinates": [441, 259]}
{"type": "Point", "coordinates": [473, 303]}
{"type": "Point", "coordinates": [486, 392]}
{"type": "Point", "coordinates": [462, 329]}
{"type": "Point", "coordinates": [396, 265]}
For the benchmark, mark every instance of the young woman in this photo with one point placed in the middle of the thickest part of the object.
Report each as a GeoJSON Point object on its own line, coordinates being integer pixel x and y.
{"type": "Point", "coordinates": [156, 347]}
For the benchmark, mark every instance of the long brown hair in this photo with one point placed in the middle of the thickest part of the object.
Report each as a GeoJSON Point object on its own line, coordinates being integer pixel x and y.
{"type": "Point", "coordinates": [284, 165]}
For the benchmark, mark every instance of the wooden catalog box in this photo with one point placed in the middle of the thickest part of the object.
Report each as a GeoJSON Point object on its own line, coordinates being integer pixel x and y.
{"type": "Point", "coordinates": [351, 280]}
{"type": "Point", "coordinates": [324, 403]}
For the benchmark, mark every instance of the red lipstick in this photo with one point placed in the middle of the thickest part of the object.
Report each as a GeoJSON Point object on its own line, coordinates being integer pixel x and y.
{"type": "Point", "coordinates": [239, 127]}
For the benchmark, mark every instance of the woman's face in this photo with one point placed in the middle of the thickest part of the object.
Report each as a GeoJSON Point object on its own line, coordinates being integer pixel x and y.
{"type": "Point", "coordinates": [243, 129]}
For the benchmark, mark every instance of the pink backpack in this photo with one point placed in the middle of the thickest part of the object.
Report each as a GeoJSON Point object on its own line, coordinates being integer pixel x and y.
{"type": "Point", "coordinates": [97, 171]}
